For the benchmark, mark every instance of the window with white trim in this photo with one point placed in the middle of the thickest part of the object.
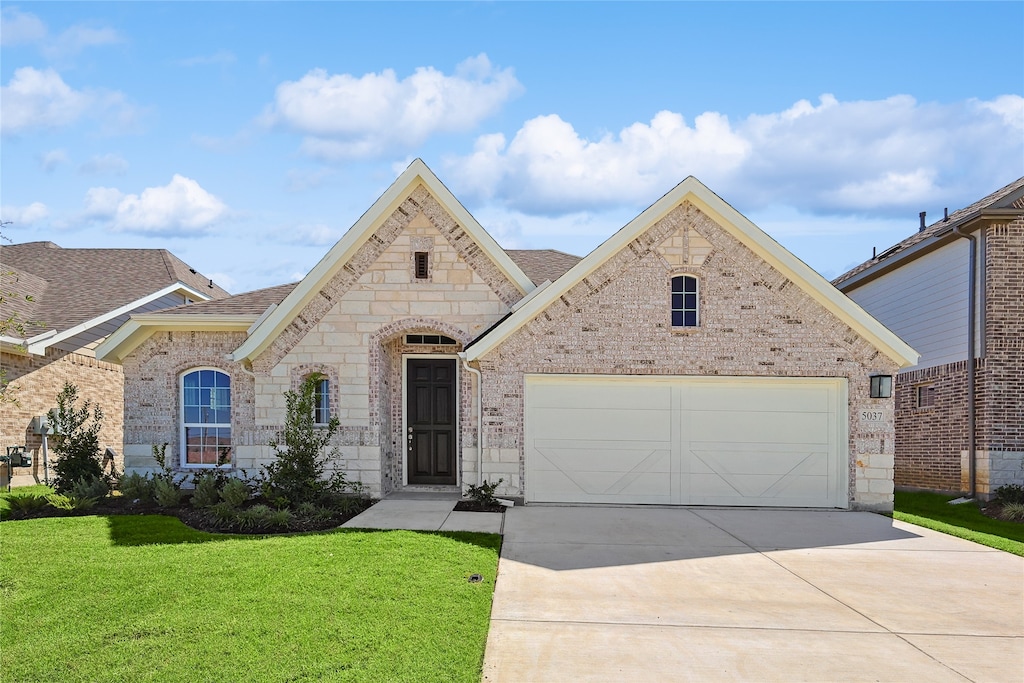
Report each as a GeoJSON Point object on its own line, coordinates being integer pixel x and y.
{"type": "Point", "coordinates": [205, 418]}
{"type": "Point", "coordinates": [322, 402]}
{"type": "Point", "coordinates": [685, 301]}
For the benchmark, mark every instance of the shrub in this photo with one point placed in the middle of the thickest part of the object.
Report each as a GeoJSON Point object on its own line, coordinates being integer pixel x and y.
{"type": "Point", "coordinates": [136, 487]}
{"type": "Point", "coordinates": [1013, 512]}
{"type": "Point", "coordinates": [484, 493]}
{"type": "Point", "coordinates": [70, 502]}
{"type": "Point", "coordinates": [255, 518]}
{"type": "Point", "coordinates": [222, 514]}
{"type": "Point", "coordinates": [93, 487]}
{"type": "Point", "coordinates": [1011, 493]}
{"type": "Point", "coordinates": [77, 444]}
{"type": "Point", "coordinates": [298, 474]}
{"type": "Point", "coordinates": [167, 493]}
{"type": "Point", "coordinates": [206, 493]}
{"type": "Point", "coordinates": [23, 504]}
{"type": "Point", "coordinates": [235, 493]}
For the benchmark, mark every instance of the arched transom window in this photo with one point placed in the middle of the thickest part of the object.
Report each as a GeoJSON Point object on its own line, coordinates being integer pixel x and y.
{"type": "Point", "coordinates": [205, 418]}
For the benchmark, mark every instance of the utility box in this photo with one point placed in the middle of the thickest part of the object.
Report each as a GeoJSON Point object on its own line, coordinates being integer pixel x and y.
{"type": "Point", "coordinates": [40, 425]}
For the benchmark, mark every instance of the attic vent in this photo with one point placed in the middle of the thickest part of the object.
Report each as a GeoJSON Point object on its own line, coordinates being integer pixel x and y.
{"type": "Point", "coordinates": [432, 339]}
{"type": "Point", "coordinates": [422, 270]}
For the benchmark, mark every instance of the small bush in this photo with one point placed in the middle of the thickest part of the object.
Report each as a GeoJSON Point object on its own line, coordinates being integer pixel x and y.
{"type": "Point", "coordinates": [255, 518]}
{"type": "Point", "coordinates": [484, 493]}
{"type": "Point", "coordinates": [92, 487]}
{"type": "Point", "coordinates": [235, 493]}
{"type": "Point", "coordinates": [167, 493]}
{"type": "Point", "coordinates": [71, 502]}
{"type": "Point", "coordinates": [206, 493]}
{"type": "Point", "coordinates": [223, 514]}
{"type": "Point", "coordinates": [1013, 512]}
{"type": "Point", "coordinates": [1011, 493]}
{"type": "Point", "coordinates": [77, 443]}
{"type": "Point", "coordinates": [23, 504]}
{"type": "Point", "coordinates": [136, 487]}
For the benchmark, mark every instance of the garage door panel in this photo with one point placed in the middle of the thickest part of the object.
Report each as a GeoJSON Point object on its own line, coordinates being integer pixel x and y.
{"type": "Point", "coordinates": [757, 427]}
{"type": "Point", "coordinates": [583, 393]}
{"type": "Point", "coordinates": [600, 424]}
{"type": "Point", "coordinates": [569, 456]}
{"type": "Point", "coordinates": [759, 396]}
{"type": "Point", "coordinates": [601, 487]}
{"type": "Point", "coordinates": [733, 460]}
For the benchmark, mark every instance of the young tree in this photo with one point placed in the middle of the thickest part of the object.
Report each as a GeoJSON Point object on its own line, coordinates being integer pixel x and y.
{"type": "Point", "coordinates": [77, 441]}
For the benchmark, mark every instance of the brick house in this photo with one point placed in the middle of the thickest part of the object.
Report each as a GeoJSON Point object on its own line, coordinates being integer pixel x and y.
{"type": "Point", "coordinates": [78, 297]}
{"type": "Point", "coordinates": [689, 359]}
{"type": "Point", "coordinates": [921, 289]}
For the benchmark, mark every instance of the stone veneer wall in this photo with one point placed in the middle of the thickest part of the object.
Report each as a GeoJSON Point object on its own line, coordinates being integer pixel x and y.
{"type": "Point", "coordinates": [353, 331]}
{"type": "Point", "coordinates": [35, 382]}
{"type": "Point", "coordinates": [754, 321]}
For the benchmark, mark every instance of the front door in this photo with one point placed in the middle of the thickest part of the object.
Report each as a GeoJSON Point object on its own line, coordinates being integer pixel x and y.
{"type": "Point", "coordinates": [430, 420]}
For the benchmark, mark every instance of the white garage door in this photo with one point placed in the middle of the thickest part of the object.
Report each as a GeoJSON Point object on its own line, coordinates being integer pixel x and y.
{"type": "Point", "coordinates": [686, 440]}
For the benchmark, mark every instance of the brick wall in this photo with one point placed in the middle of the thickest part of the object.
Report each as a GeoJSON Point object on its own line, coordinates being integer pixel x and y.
{"type": "Point", "coordinates": [35, 382]}
{"type": "Point", "coordinates": [754, 321]}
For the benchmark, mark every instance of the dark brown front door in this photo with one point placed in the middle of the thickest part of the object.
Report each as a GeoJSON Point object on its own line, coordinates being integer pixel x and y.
{"type": "Point", "coordinates": [430, 420]}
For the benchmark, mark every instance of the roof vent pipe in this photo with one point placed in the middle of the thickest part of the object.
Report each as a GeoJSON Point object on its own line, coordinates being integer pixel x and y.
{"type": "Point", "coordinates": [922, 215]}
{"type": "Point", "coordinates": [945, 213]}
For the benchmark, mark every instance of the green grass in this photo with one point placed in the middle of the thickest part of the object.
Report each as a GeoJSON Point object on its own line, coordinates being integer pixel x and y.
{"type": "Point", "coordinates": [36, 490]}
{"type": "Point", "coordinates": [145, 598]}
{"type": "Point", "coordinates": [933, 511]}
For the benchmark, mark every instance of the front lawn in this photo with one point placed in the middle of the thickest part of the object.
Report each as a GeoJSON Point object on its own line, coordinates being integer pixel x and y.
{"type": "Point", "coordinates": [137, 598]}
{"type": "Point", "coordinates": [933, 511]}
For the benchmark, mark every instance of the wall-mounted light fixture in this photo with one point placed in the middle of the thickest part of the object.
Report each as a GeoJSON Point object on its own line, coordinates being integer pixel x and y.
{"type": "Point", "coordinates": [881, 386]}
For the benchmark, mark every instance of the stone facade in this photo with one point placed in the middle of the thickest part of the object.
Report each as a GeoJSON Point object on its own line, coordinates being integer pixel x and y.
{"type": "Point", "coordinates": [35, 382]}
{"type": "Point", "coordinates": [754, 322]}
{"type": "Point", "coordinates": [931, 403]}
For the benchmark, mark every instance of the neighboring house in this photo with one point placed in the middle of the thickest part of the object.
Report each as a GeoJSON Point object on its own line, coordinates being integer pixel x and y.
{"type": "Point", "coordinates": [920, 289]}
{"type": "Point", "coordinates": [689, 359]}
{"type": "Point", "coordinates": [68, 301]}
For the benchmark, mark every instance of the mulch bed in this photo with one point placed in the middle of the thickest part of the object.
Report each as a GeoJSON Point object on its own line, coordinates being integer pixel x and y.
{"type": "Point", "coordinates": [474, 506]}
{"type": "Point", "coordinates": [192, 517]}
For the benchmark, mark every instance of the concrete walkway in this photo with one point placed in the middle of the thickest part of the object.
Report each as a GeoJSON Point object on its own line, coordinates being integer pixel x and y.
{"type": "Point", "coordinates": [656, 594]}
{"type": "Point", "coordinates": [425, 511]}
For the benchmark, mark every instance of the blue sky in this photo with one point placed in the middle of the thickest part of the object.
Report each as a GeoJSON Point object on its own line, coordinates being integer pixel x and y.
{"type": "Point", "coordinates": [247, 137]}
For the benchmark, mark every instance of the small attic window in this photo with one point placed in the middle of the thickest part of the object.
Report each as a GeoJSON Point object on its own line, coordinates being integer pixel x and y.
{"type": "Point", "coordinates": [422, 265]}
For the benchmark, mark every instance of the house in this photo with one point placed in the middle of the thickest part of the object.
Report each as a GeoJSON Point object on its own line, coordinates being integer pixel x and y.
{"type": "Point", "coordinates": [954, 291]}
{"type": "Point", "coordinates": [689, 359]}
{"type": "Point", "coordinates": [67, 302]}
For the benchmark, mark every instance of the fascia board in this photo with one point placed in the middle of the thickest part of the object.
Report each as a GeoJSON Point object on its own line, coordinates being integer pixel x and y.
{"type": "Point", "coordinates": [39, 349]}
{"type": "Point", "coordinates": [740, 227]}
{"type": "Point", "coordinates": [268, 330]}
{"type": "Point", "coordinates": [139, 328]}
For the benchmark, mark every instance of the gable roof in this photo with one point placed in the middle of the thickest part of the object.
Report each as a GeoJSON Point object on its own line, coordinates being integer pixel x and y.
{"type": "Point", "coordinates": [739, 227]}
{"type": "Point", "coordinates": [267, 330]}
{"type": "Point", "coordinates": [1004, 204]}
{"type": "Point", "coordinates": [542, 265]}
{"type": "Point", "coordinates": [74, 290]}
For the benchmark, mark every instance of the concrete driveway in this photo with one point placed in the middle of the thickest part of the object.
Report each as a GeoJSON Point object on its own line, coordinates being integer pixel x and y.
{"type": "Point", "coordinates": [656, 594]}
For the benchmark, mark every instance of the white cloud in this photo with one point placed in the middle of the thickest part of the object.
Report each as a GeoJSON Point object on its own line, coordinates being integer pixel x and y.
{"type": "Point", "coordinates": [20, 28]}
{"type": "Point", "coordinates": [317, 235]}
{"type": "Point", "coordinates": [345, 116]}
{"type": "Point", "coordinates": [35, 99]}
{"type": "Point", "coordinates": [49, 161]}
{"type": "Point", "coordinates": [886, 156]}
{"type": "Point", "coordinates": [299, 180]}
{"type": "Point", "coordinates": [179, 208]}
{"type": "Point", "coordinates": [219, 57]}
{"type": "Point", "coordinates": [21, 216]}
{"type": "Point", "coordinates": [24, 28]}
{"type": "Point", "coordinates": [104, 163]}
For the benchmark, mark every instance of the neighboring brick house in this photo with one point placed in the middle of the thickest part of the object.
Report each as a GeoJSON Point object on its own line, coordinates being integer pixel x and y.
{"type": "Point", "coordinates": [689, 359]}
{"type": "Point", "coordinates": [68, 301]}
{"type": "Point", "coordinates": [920, 289]}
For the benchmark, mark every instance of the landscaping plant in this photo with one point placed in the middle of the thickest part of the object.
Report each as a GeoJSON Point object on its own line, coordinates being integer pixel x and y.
{"type": "Point", "coordinates": [76, 443]}
{"type": "Point", "coordinates": [484, 493]}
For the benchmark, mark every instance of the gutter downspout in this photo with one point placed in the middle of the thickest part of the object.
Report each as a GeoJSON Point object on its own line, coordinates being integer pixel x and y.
{"type": "Point", "coordinates": [972, 452]}
{"type": "Point", "coordinates": [479, 418]}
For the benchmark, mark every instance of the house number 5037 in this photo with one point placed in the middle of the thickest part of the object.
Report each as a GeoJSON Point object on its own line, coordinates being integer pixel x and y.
{"type": "Point", "coordinates": [872, 416]}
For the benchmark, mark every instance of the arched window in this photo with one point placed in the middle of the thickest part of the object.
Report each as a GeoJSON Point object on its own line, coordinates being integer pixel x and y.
{"type": "Point", "coordinates": [685, 301]}
{"type": "Point", "coordinates": [205, 418]}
